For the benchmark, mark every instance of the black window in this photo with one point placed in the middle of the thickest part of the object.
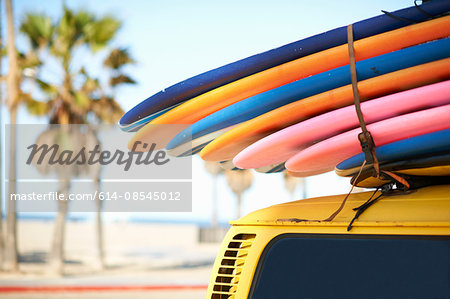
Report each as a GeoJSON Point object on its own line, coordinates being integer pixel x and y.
{"type": "Point", "coordinates": [330, 266]}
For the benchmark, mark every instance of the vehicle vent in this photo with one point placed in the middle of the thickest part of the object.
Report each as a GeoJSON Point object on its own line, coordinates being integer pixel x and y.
{"type": "Point", "coordinates": [231, 265]}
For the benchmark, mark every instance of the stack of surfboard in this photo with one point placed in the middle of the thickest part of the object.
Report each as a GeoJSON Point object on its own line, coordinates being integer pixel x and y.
{"type": "Point", "coordinates": [292, 107]}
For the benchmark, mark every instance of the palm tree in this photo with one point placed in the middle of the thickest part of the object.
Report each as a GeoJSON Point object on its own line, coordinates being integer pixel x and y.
{"type": "Point", "coordinates": [11, 258]}
{"type": "Point", "coordinates": [115, 62]}
{"type": "Point", "coordinates": [2, 246]}
{"type": "Point", "coordinates": [214, 169]}
{"type": "Point", "coordinates": [70, 103]}
{"type": "Point", "coordinates": [291, 183]}
{"type": "Point", "coordinates": [239, 181]}
{"type": "Point", "coordinates": [18, 64]}
{"type": "Point", "coordinates": [73, 139]}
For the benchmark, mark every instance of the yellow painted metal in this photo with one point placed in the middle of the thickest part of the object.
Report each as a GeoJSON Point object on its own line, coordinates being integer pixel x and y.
{"type": "Point", "coordinates": [421, 212]}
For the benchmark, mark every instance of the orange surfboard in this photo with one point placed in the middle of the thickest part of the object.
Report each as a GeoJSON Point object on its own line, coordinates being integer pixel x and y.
{"type": "Point", "coordinates": [214, 100]}
{"type": "Point", "coordinates": [229, 144]}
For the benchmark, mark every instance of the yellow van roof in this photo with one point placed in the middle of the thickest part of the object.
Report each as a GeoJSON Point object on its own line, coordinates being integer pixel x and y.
{"type": "Point", "coordinates": [429, 206]}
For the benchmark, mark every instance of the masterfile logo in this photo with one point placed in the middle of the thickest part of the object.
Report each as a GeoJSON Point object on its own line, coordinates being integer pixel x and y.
{"type": "Point", "coordinates": [84, 164]}
{"type": "Point", "coordinates": [95, 155]}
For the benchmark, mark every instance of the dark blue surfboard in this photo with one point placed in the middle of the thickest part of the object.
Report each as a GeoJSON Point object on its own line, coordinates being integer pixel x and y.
{"type": "Point", "coordinates": [422, 145]}
{"type": "Point", "coordinates": [194, 86]}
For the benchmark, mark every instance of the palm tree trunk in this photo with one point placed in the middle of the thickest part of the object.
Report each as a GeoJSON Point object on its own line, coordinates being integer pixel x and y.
{"type": "Point", "coordinates": [303, 188]}
{"type": "Point", "coordinates": [2, 245]}
{"type": "Point", "coordinates": [57, 251]}
{"type": "Point", "coordinates": [214, 220]}
{"type": "Point", "coordinates": [100, 244]}
{"type": "Point", "coordinates": [239, 205]}
{"type": "Point", "coordinates": [11, 256]}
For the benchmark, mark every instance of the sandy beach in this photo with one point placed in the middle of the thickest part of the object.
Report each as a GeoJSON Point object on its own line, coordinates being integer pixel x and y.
{"type": "Point", "coordinates": [144, 258]}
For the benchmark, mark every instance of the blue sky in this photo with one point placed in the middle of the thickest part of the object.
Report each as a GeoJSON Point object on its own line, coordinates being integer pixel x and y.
{"type": "Point", "coordinates": [172, 40]}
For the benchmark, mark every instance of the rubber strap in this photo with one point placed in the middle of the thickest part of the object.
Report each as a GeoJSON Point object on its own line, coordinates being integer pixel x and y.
{"type": "Point", "coordinates": [421, 10]}
{"type": "Point", "coordinates": [351, 54]}
{"type": "Point", "coordinates": [398, 178]}
{"type": "Point", "coordinates": [332, 216]}
{"type": "Point", "coordinates": [412, 21]}
{"type": "Point", "coordinates": [399, 18]}
{"type": "Point", "coordinates": [359, 210]}
{"type": "Point", "coordinates": [365, 138]}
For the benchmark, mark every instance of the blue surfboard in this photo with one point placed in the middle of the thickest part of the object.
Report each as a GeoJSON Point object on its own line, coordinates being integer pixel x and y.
{"type": "Point", "coordinates": [217, 123]}
{"type": "Point", "coordinates": [422, 145]}
{"type": "Point", "coordinates": [419, 172]}
{"type": "Point", "coordinates": [194, 86]}
{"type": "Point", "coordinates": [135, 126]}
{"type": "Point", "coordinates": [436, 165]}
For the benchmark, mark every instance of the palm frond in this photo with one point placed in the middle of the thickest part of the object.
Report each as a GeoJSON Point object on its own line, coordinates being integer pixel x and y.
{"type": "Point", "coordinates": [82, 100]}
{"type": "Point", "coordinates": [90, 85]}
{"type": "Point", "coordinates": [118, 58]}
{"type": "Point", "coordinates": [107, 110]}
{"type": "Point", "coordinates": [37, 108]}
{"type": "Point", "coordinates": [239, 180]}
{"type": "Point", "coordinates": [47, 88]}
{"type": "Point", "coordinates": [38, 28]}
{"type": "Point", "coordinates": [121, 79]}
{"type": "Point", "coordinates": [82, 19]}
{"type": "Point", "coordinates": [79, 96]}
{"type": "Point", "coordinates": [98, 33]}
{"type": "Point", "coordinates": [66, 34]}
{"type": "Point", "coordinates": [71, 30]}
{"type": "Point", "coordinates": [28, 60]}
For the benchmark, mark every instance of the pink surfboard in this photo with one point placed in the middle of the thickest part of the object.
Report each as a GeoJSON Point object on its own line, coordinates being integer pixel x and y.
{"type": "Point", "coordinates": [324, 155]}
{"type": "Point", "coordinates": [282, 145]}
